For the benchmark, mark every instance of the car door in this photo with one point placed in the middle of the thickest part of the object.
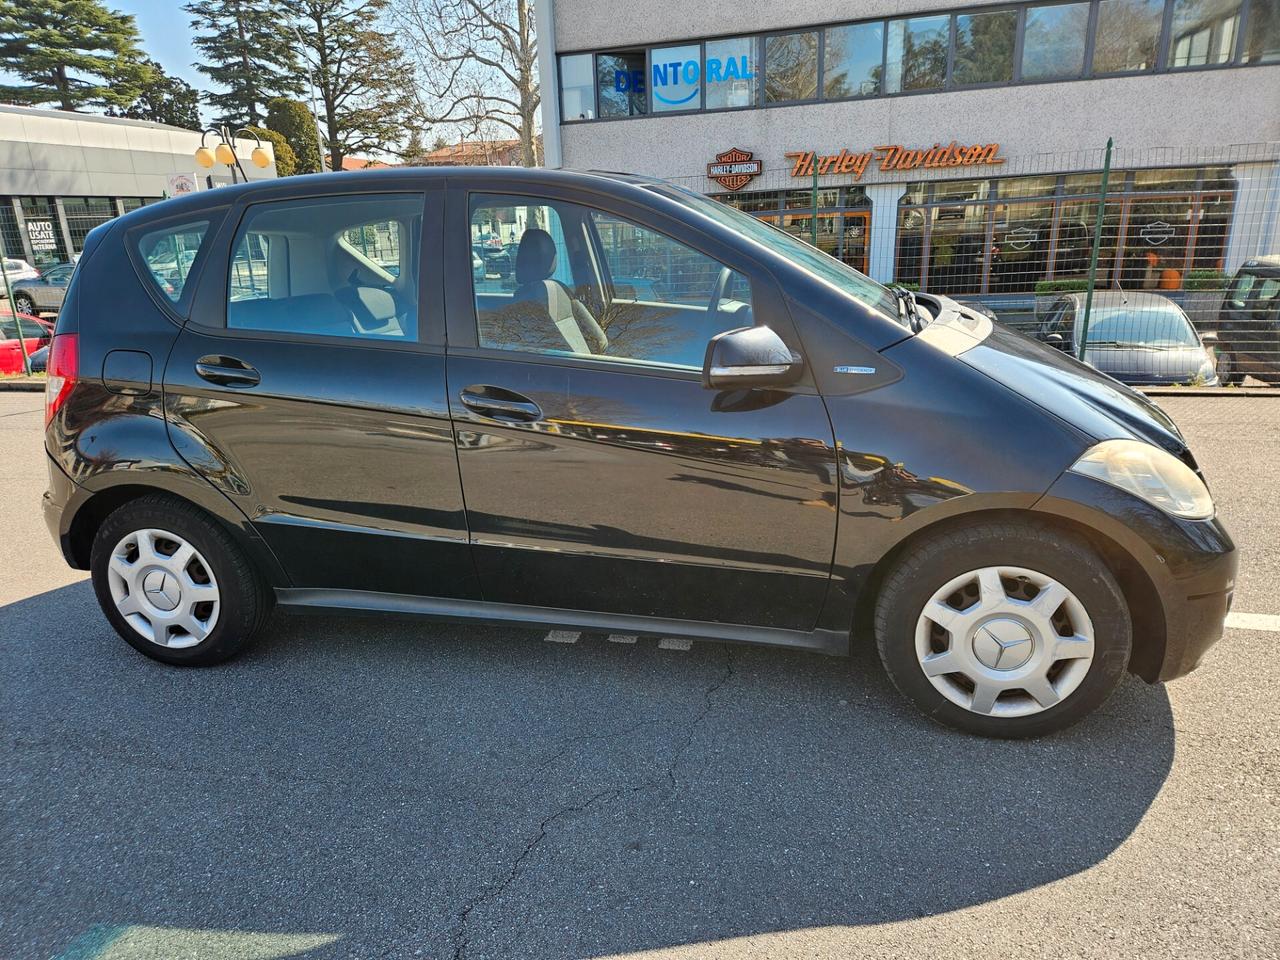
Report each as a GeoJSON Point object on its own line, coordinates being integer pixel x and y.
{"type": "Point", "coordinates": [50, 292]}
{"type": "Point", "coordinates": [309, 387]}
{"type": "Point", "coordinates": [599, 474]}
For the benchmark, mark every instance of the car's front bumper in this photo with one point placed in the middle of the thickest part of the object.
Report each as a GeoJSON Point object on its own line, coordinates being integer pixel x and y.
{"type": "Point", "coordinates": [1190, 565]}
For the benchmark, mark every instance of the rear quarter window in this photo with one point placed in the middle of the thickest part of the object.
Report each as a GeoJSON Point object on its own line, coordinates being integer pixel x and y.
{"type": "Point", "coordinates": [168, 254]}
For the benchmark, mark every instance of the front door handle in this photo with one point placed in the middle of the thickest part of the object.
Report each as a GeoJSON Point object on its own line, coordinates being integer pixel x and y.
{"type": "Point", "coordinates": [227, 371]}
{"type": "Point", "coordinates": [499, 404]}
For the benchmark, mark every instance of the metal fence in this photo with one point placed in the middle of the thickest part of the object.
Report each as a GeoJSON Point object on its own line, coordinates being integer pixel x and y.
{"type": "Point", "coordinates": [1157, 266]}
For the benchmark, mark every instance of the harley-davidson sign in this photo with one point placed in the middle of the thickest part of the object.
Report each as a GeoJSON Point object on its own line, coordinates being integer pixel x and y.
{"type": "Point", "coordinates": [891, 157]}
{"type": "Point", "coordinates": [734, 169]}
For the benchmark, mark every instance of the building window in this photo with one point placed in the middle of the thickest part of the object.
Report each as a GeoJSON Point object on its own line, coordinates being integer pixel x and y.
{"type": "Point", "coordinates": [43, 231]}
{"type": "Point", "coordinates": [85, 213]}
{"type": "Point", "coordinates": [1262, 32]}
{"type": "Point", "coordinates": [1203, 32]}
{"type": "Point", "coordinates": [730, 69]}
{"type": "Point", "coordinates": [1128, 35]}
{"type": "Point", "coordinates": [917, 58]}
{"type": "Point", "coordinates": [853, 60]}
{"type": "Point", "coordinates": [620, 84]}
{"type": "Point", "coordinates": [1053, 41]}
{"type": "Point", "coordinates": [577, 88]}
{"type": "Point", "coordinates": [984, 47]}
{"type": "Point", "coordinates": [791, 67]}
{"type": "Point", "coordinates": [675, 78]}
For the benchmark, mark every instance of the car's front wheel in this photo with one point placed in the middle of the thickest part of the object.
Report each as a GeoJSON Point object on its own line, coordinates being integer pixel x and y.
{"type": "Point", "coordinates": [1227, 369]}
{"type": "Point", "coordinates": [174, 584]}
{"type": "Point", "coordinates": [23, 303]}
{"type": "Point", "coordinates": [1004, 629]}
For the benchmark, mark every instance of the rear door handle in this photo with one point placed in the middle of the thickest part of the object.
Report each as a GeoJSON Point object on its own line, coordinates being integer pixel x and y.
{"type": "Point", "coordinates": [508, 406]}
{"type": "Point", "coordinates": [227, 371]}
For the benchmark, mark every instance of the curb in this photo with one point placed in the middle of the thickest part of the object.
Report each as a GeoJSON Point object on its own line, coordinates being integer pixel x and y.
{"type": "Point", "coordinates": [1210, 391]}
{"type": "Point", "coordinates": [27, 384]}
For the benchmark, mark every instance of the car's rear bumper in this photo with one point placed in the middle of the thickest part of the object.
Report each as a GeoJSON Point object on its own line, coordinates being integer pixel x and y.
{"type": "Point", "coordinates": [1190, 566]}
{"type": "Point", "coordinates": [59, 503]}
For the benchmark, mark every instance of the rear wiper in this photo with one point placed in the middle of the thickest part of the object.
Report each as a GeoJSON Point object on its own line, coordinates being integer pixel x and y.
{"type": "Point", "coordinates": [907, 308]}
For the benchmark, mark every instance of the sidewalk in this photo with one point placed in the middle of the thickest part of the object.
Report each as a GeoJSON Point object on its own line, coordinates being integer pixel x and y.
{"type": "Point", "coordinates": [32, 384]}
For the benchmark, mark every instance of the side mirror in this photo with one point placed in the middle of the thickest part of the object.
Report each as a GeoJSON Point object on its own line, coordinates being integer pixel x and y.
{"type": "Point", "coordinates": [749, 357]}
{"type": "Point", "coordinates": [1209, 337]}
{"type": "Point", "coordinates": [1056, 341]}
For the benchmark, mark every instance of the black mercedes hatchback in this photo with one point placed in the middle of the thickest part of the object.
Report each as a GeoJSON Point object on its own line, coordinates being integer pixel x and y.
{"type": "Point", "coordinates": [665, 418]}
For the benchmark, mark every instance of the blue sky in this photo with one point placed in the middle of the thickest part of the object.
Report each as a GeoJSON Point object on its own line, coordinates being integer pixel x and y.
{"type": "Point", "coordinates": [166, 35]}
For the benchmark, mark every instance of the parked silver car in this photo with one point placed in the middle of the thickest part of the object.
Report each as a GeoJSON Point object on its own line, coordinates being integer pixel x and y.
{"type": "Point", "coordinates": [43, 293]}
{"type": "Point", "coordinates": [1142, 339]}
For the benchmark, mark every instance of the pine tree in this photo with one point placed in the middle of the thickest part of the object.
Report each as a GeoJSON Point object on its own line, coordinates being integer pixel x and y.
{"type": "Point", "coordinates": [70, 53]}
{"type": "Point", "coordinates": [248, 48]}
{"type": "Point", "coordinates": [163, 99]}
{"type": "Point", "coordinates": [360, 74]}
{"type": "Point", "coordinates": [294, 122]}
{"type": "Point", "coordinates": [414, 153]}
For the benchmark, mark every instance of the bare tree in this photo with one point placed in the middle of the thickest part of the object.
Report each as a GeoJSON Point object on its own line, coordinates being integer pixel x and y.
{"type": "Point", "coordinates": [478, 64]}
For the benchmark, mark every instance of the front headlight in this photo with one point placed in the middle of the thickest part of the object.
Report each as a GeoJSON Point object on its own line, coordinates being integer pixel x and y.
{"type": "Point", "coordinates": [1148, 472]}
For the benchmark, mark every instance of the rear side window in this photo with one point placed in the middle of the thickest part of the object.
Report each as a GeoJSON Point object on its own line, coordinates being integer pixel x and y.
{"type": "Point", "coordinates": [335, 267]}
{"type": "Point", "coordinates": [169, 254]}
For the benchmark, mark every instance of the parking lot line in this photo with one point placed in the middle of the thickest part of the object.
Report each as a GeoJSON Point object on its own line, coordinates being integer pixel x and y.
{"type": "Point", "coordinates": [1254, 621]}
{"type": "Point", "coordinates": [622, 638]}
{"type": "Point", "coordinates": [674, 643]}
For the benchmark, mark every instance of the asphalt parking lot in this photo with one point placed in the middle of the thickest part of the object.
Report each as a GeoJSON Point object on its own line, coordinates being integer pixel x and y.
{"type": "Point", "coordinates": [373, 788]}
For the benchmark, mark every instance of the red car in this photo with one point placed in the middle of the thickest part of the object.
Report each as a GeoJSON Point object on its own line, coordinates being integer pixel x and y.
{"type": "Point", "coordinates": [35, 334]}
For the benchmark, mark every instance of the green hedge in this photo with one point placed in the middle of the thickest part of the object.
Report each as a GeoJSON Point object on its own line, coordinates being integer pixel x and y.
{"type": "Point", "coordinates": [1206, 280]}
{"type": "Point", "coordinates": [1045, 288]}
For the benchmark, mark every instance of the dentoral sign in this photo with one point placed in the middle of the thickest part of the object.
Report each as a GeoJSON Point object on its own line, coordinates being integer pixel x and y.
{"type": "Point", "coordinates": [892, 157]}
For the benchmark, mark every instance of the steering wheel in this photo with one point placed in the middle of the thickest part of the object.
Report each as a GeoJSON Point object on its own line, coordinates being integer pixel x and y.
{"type": "Point", "coordinates": [717, 292]}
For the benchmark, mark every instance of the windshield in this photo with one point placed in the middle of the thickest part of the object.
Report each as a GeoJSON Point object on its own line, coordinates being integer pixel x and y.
{"type": "Point", "coordinates": [1158, 327]}
{"type": "Point", "coordinates": [823, 266]}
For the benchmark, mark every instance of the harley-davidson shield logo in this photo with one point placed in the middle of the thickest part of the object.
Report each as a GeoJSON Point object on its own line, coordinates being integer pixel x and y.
{"type": "Point", "coordinates": [734, 169]}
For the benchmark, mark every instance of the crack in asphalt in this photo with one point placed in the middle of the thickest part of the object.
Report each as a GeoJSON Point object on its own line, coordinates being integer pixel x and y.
{"type": "Point", "coordinates": [462, 942]}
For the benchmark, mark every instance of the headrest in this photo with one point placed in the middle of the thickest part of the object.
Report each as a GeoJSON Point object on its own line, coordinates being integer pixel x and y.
{"type": "Point", "coordinates": [535, 257]}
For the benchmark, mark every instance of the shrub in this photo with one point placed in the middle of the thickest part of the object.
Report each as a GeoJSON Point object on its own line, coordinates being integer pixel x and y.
{"type": "Point", "coordinates": [1203, 279]}
{"type": "Point", "coordinates": [1045, 288]}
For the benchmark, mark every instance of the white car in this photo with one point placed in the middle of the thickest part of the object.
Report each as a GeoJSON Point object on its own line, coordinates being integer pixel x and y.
{"type": "Point", "coordinates": [16, 269]}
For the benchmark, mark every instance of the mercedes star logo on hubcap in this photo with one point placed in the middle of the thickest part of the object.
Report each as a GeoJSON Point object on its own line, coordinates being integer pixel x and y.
{"type": "Point", "coordinates": [1002, 644]}
{"type": "Point", "coordinates": [162, 590]}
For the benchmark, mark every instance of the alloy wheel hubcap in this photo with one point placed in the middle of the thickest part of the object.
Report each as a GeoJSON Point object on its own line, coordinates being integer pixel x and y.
{"type": "Point", "coordinates": [1004, 641]}
{"type": "Point", "coordinates": [164, 588]}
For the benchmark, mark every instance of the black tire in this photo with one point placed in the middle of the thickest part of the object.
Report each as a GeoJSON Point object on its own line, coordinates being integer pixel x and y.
{"type": "Point", "coordinates": [22, 303]}
{"type": "Point", "coordinates": [245, 599]}
{"type": "Point", "coordinates": [1072, 562]}
{"type": "Point", "coordinates": [1227, 369]}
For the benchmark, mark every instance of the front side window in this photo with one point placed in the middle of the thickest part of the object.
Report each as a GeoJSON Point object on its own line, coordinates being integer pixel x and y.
{"type": "Point", "coordinates": [337, 267]}
{"type": "Point", "coordinates": [577, 87]}
{"type": "Point", "coordinates": [853, 60]}
{"type": "Point", "coordinates": [1128, 35]}
{"type": "Point", "coordinates": [675, 78]}
{"type": "Point", "coordinates": [730, 69]}
{"type": "Point", "coordinates": [169, 254]}
{"type": "Point", "coordinates": [984, 47]}
{"type": "Point", "coordinates": [620, 84]}
{"type": "Point", "coordinates": [917, 58]}
{"type": "Point", "coordinates": [1053, 41]}
{"type": "Point", "coordinates": [791, 67]}
{"type": "Point", "coordinates": [594, 286]}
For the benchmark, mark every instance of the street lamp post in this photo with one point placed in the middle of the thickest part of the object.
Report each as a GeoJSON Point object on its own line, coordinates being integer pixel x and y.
{"type": "Point", "coordinates": [225, 151]}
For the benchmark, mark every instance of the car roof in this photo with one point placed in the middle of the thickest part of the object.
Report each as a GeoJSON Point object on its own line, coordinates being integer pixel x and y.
{"type": "Point", "coordinates": [386, 178]}
{"type": "Point", "coordinates": [1269, 262]}
{"type": "Point", "coordinates": [1133, 299]}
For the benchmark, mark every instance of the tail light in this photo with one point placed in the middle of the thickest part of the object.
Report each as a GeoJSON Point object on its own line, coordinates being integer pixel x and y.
{"type": "Point", "coordinates": [61, 372]}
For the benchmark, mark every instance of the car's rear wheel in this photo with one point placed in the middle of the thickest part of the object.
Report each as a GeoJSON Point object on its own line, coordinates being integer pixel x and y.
{"type": "Point", "coordinates": [174, 584]}
{"type": "Point", "coordinates": [1004, 629]}
{"type": "Point", "coordinates": [22, 303]}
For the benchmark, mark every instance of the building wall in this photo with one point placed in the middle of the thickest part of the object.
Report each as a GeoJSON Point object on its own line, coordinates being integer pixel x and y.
{"type": "Point", "coordinates": [53, 153]}
{"type": "Point", "coordinates": [1165, 111]}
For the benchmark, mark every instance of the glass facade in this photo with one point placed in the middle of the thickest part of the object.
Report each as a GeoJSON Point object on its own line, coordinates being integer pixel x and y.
{"type": "Point", "coordinates": [1020, 43]}
{"type": "Point", "coordinates": [33, 230]}
{"type": "Point", "coordinates": [1006, 235]}
{"type": "Point", "coordinates": [839, 223]}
